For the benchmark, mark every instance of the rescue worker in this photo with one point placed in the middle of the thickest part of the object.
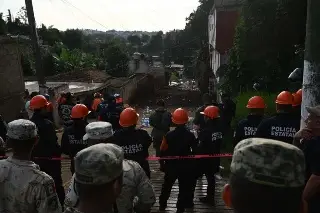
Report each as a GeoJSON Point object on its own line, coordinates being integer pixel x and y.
{"type": "Point", "coordinates": [266, 176]}
{"type": "Point", "coordinates": [135, 182]}
{"type": "Point", "coordinates": [228, 111]}
{"type": "Point", "coordinates": [210, 139]}
{"type": "Point", "coordinates": [308, 139]}
{"type": "Point", "coordinates": [178, 142]}
{"type": "Point", "coordinates": [27, 106]}
{"type": "Point", "coordinates": [296, 105]}
{"type": "Point", "coordinates": [160, 120]}
{"type": "Point", "coordinates": [199, 118]}
{"type": "Point", "coordinates": [247, 127]}
{"type": "Point", "coordinates": [119, 100]}
{"type": "Point", "coordinates": [49, 108]}
{"type": "Point", "coordinates": [65, 110]}
{"type": "Point", "coordinates": [47, 145]}
{"type": "Point", "coordinates": [98, 178]}
{"type": "Point", "coordinates": [71, 141]}
{"type": "Point", "coordinates": [283, 126]}
{"type": "Point", "coordinates": [96, 101]}
{"type": "Point", "coordinates": [110, 113]}
{"type": "Point", "coordinates": [24, 188]}
{"type": "Point", "coordinates": [61, 99]}
{"type": "Point", "coordinates": [135, 142]}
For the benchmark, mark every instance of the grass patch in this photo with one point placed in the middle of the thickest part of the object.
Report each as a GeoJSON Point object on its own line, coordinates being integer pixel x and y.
{"type": "Point", "coordinates": [241, 113]}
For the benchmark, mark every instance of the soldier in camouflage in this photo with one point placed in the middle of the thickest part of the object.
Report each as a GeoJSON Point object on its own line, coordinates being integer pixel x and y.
{"type": "Point", "coordinates": [24, 188]}
{"type": "Point", "coordinates": [266, 176]}
{"type": "Point", "coordinates": [98, 178]}
{"type": "Point", "coordinates": [137, 191]}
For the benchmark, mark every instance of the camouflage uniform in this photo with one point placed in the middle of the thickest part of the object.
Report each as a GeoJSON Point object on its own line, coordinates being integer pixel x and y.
{"type": "Point", "coordinates": [97, 165]}
{"type": "Point", "coordinates": [24, 188]}
{"type": "Point", "coordinates": [269, 162]}
{"type": "Point", "coordinates": [135, 182]}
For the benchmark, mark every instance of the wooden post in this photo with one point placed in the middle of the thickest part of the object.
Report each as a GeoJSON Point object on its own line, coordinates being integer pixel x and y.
{"type": "Point", "coordinates": [36, 47]}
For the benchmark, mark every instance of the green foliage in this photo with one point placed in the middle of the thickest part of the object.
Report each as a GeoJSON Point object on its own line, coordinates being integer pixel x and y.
{"type": "Point", "coordinates": [155, 45]}
{"type": "Point", "coordinates": [3, 26]}
{"type": "Point", "coordinates": [268, 43]}
{"type": "Point", "coordinates": [49, 35]}
{"type": "Point", "coordinates": [174, 76]}
{"type": "Point", "coordinates": [134, 40]}
{"type": "Point", "coordinates": [26, 64]}
{"type": "Point", "coordinates": [145, 38]}
{"type": "Point", "coordinates": [73, 38]}
{"type": "Point", "coordinates": [117, 61]}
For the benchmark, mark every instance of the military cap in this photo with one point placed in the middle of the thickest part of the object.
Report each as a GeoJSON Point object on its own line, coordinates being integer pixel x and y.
{"type": "Point", "coordinates": [22, 130]}
{"type": "Point", "coordinates": [269, 162]}
{"type": "Point", "coordinates": [98, 130]}
{"type": "Point", "coordinates": [99, 164]}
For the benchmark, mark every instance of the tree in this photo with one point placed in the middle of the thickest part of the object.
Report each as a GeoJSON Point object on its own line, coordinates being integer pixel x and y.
{"type": "Point", "coordinates": [117, 61]}
{"type": "Point", "coordinates": [266, 42]}
{"type": "Point", "coordinates": [73, 38]}
{"type": "Point", "coordinates": [22, 15]}
{"type": "Point", "coordinates": [145, 38]}
{"type": "Point", "coordinates": [49, 35]}
{"type": "Point", "coordinates": [155, 45]}
{"type": "Point", "coordinates": [134, 40]}
{"type": "Point", "coordinates": [3, 26]}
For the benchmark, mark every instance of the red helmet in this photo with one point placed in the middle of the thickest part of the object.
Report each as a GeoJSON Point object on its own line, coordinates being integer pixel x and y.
{"type": "Point", "coordinates": [128, 117]}
{"type": "Point", "coordinates": [211, 112]}
{"type": "Point", "coordinates": [79, 111]}
{"type": "Point", "coordinates": [256, 102]}
{"type": "Point", "coordinates": [180, 116]}
{"type": "Point", "coordinates": [38, 102]}
{"type": "Point", "coordinates": [284, 98]}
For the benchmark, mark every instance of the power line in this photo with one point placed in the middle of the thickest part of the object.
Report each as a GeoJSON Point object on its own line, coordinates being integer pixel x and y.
{"type": "Point", "coordinates": [89, 17]}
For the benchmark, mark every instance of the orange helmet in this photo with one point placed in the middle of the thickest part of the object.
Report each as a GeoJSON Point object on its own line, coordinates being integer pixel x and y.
{"type": "Point", "coordinates": [256, 102]}
{"type": "Point", "coordinates": [284, 98]}
{"type": "Point", "coordinates": [79, 111]}
{"type": "Point", "coordinates": [128, 117]}
{"type": "Point", "coordinates": [299, 92]}
{"type": "Point", "coordinates": [180, 116]}
{"type": "Point", "coordinates": [38, 102]}
{"type": "Point", "coordinates": [297, 99]}
{"type": "Point", "coordinates": [211, 112]}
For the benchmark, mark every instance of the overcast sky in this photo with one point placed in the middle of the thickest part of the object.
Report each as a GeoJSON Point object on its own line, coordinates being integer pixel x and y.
{"type": "Point", "coordinates": [148, 15]}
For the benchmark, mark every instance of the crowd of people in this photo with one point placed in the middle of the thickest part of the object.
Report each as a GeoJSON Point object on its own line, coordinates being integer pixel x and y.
{"type": "Point", "coordinates": [274, 166]}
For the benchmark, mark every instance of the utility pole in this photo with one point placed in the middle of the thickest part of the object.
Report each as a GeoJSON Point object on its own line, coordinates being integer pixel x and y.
{"type": "Point", "coordinates": [36, 47]}
{"type": "Point", "coordinates": [311, 74]}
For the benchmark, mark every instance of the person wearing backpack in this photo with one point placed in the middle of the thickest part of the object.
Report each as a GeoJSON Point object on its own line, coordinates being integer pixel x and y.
{"type": "Point", "coordinates": [160, 120]}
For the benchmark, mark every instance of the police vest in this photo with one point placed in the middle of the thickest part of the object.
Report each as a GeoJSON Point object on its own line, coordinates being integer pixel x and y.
{"type": "Point", "coordinates": [74, 141]}
{"type": "Point", "coordinates": [132, 149]}
{"type": "Point", "coordinates": [249, 130]}
{"type": "Point", "coordinates": [278, 131]}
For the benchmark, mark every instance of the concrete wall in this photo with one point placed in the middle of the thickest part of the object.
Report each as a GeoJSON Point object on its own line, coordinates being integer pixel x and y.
{"type": "Point", "coordinates": [143, 67]}
{"type": "Point", "coordinates": [11, 79]}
